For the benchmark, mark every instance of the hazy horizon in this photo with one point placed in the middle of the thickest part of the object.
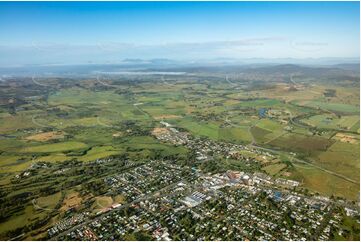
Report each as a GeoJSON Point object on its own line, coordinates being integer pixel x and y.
{"type": "Point", "coordinates": [108, 32]}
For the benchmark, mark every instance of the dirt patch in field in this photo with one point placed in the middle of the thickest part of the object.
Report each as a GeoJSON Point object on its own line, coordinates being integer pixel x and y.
{"type": "Point", "coordinates": [117, 134]}
{"type": "Point", "coordinates": [160, 131]}
{"type": "Point", "coordinates": [46, 136]}
{"type": "Point", "coordinates": [166, 116]}
{"type": "Point", "coordinates": [72, 200]}
{"type": "Point", "coordinates": [346, 138]}
{"type": "Point", "coordinates": [287, 174]}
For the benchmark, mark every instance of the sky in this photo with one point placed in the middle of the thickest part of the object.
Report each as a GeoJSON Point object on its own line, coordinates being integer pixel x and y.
{"type": "Point", "coordinates": [107, 32]}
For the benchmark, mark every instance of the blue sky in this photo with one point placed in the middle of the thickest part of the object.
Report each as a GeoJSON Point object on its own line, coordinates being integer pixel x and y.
{"type": "Point", "coordinates": [59, 32]}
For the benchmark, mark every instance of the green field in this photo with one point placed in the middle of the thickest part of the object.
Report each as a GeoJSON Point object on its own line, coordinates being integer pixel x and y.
{"type": "Point", "coordinates": [336, 107]}
{"type": "Point", "coordinates": [273, 169]}
{"type": "Point", "coordinates": [48, 202]}
{"type": "Point", "coordinates": [208, 129]}
{"type": "Point", "coordinates": [237, 135]}
{"type": "Point", "coordinates": [100, 152]}
{"type": "Point", "coordinates": [330, 121]}
{"type": "Point", "coordinates": [57, 147]}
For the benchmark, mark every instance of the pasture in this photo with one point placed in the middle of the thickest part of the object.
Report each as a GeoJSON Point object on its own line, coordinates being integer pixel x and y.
{"type": "Point", "coordinates": [56, 147]}
{"type": "Point", "coordinates": [324, 183]}
{"type": "Point", "coordinates": [274, 169]}
{"type": "Point", "coordinates": [343, 158]}
{"type": "Point", "coordinates": [333, 107]}
{"type": "Point", "coordinates": [330, 121]}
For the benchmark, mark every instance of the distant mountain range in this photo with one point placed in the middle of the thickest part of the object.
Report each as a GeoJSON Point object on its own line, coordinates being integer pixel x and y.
{"type": "Point", "coordinates": [222, 65]}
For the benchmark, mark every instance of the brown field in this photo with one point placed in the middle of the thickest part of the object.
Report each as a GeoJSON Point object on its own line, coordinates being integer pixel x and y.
{"type": "Point", "coordinates": [352, 139]}
{"type": "Point", "coordinates": [283, 91]}
{"type": "Point", "coordinates": [46, 136]}
{"type": "Point", "coordinates": [160, 131]}
{"type": "Point", "coordinates": [166, 116]}
{"type": "Point", "coordinates": [71, 200]}
{"type": "Point", "coordinates": [286, 174]}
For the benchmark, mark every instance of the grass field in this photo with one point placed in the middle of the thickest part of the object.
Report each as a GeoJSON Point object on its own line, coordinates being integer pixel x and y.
{"type": "Point", "coordinates": [119, 199]}
{"type": "Point", "coordinates": [237, 135]}
{"type": "Point", "coordinates": [342, 158]}
{"type": "Point", "coordinates": [48, 202]}
{"type": "Point", "coordinates": [78, 96]}
{"type": "Point", "coordinates": [332, 121]}
{"type": "Point", "coordinates": [260, 103]}
{"type": "Point", "coordinates": [54, 157]}
{"type": "Point", "coordinates": [273, 169]}
{"type": "Point", "coordinates": [22, 218]}
{"type": "Point", "coordinates": [13, 163]}
{"type": "Point", "coordinates": [208, 129]}
{"type": "Point", "coordinates": [149, 143]}
{"type": "Point", "coordinates": [57, 147]}
{"type": "Point", "coordinates": [273, 130]}
{"type": "Point", "coordinates": [102, 202]}
{"type": "Point", "coordinates": [337, 107]}
{"type": "Point", "coordinates": [260, 134]}
{"type": "Point", "coordinates": [324, 183]}
{"type": "Point", "coordinates": [302, 143]}
{"type": "Point", "coordinates": [11, 123]}
{"type": "Point", "coordinates": [100, 152]}
{"type": "Point", "coordinates": [269, 125]}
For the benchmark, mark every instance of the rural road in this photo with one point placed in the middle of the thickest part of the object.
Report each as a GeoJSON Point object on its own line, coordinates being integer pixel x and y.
{"type": "Point", "coordinates": [36, 206]}
{"type": "Point", "coordinates": [33, 119]}
{"type": "Point", "coordinates": [103, 124]}
{"type": "Point", "coordinates": [239, 126]}
{"type": "Point", "coordinates": [291, 79]}
{"type": "Point", "coordinates": [103, 83]}
{"type": "Point", "coordinates": [38, 83]}
{"type": "Point", "coordinates": [141, 110]}
{"type": "Point", "coordinates": [233, 84]}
